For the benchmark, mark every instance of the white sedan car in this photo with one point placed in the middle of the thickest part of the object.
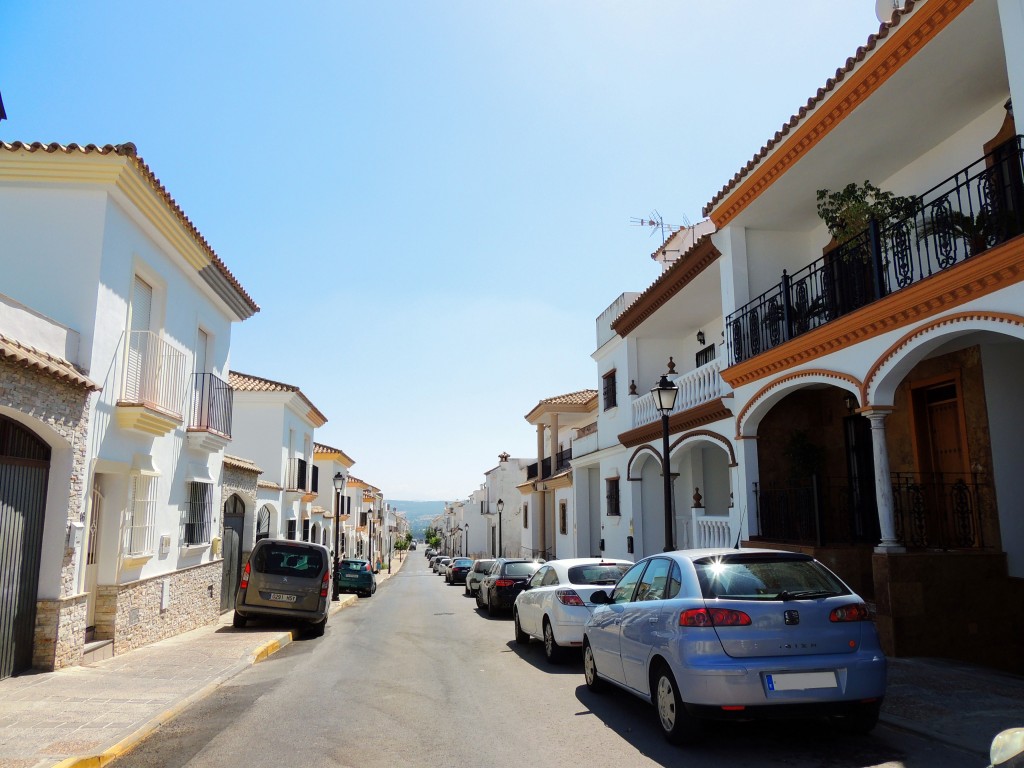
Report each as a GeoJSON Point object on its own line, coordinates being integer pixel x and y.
{"type": "Point", "coordinates": [556, 604]}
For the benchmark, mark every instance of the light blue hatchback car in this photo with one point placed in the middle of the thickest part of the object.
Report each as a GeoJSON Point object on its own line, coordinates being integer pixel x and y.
{"type": "Point", "coordinates": [736, 634]}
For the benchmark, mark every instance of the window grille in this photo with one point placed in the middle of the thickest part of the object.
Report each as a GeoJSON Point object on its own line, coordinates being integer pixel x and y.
{"type": "Point", "coordinates": [138, 534]}
{"type": "Point", "coordinates": [305, 529]}
{"type": "Point", "coordinates": [291, 530]}
{"type": "Point", "coordinates": [609, 390]}
{"type": "Point", "coordinates": [612, 495]}
{"type": "Point", "coordinates": [198, 514]}
{"type": "Point", "coordinates": [563, 518]}
{"type": "Point", "coordinates": [526, 515]}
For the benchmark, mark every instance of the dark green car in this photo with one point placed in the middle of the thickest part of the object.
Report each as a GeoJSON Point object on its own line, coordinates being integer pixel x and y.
{"type": "Point", "coordinates": [356, 576]}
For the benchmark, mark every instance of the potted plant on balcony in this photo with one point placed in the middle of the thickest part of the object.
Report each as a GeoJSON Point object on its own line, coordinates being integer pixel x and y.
{"type": "Point", "coordinates": [848, 212]}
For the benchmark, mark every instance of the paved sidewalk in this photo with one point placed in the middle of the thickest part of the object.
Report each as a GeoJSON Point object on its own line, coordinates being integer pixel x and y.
{"type": "Point", "coordinates": [88, 715]}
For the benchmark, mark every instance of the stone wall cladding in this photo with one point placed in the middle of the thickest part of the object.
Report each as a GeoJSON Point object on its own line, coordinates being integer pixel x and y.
{"type": "Point", "coordinates": [59, 633]}
{"type": "Point", "coordinates": [243, 482]}
{"type": "Point", "coordinates": [65, 409]}
{"type": "Point", "coordinates": [131, 615]}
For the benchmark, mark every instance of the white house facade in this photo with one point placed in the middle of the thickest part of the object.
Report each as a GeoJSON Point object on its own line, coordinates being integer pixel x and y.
{"type": "Point", "coordinates": [115, 329]}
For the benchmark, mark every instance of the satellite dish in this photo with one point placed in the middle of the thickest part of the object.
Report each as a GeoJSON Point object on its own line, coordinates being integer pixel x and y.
{"type": "Point", "coordinates": [885, 9]}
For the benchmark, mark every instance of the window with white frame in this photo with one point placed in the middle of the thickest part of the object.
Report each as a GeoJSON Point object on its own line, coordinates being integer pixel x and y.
{"type": "Point", "coordinates": [138, 533]}
{"type": "Point", "coordinates": [198, 517]}
{"type": "Point", "coordinates": [612, 496]}
{"type": "Point", "coordinates": [291, 529]}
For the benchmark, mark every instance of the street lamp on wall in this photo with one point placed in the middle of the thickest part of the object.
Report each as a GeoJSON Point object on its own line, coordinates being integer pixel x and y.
{"type": "Point", "coordinates": [339, 487]}
{"type": "Point", "coordinates": [499, 506]}
{"type": "Point", "coordinates": [665, 394]}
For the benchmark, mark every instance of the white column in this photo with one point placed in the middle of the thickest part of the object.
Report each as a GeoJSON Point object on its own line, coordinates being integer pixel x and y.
{"type": "Point", "coordinates": [1011, 22]}
{"type": "Point", "coordinates": [883, 483]}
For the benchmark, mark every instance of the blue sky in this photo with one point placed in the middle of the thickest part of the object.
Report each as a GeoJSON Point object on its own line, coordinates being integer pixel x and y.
{"type": "Point", "coordinates": [430, 201]}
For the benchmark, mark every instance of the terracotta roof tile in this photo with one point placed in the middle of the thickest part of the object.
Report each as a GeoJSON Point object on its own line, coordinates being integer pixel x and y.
{"type": "Point", "coordinates": [129, 151]}
{"type": "Point", "coordinates": [812, 102]}
{"type": "Point", "coordinates": [582, 397]}
{"type": "Point", "coordinates": [269, 485]}
{"type": "Point", "coordinates": [244, 382]}
{"type": "Point", "coordinates": [238, 463]}
{"type": "Point", "coordinates": [36, 359]}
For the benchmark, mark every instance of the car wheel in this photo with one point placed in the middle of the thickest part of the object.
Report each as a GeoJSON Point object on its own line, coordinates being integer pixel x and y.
{"type": "Point", "coordinates": [862, 720]}
{"type": "Point", "coordinates": [676, 723]}
{"type": "Point", "coordinates": [363, 593]}
{"type": "Point", "coordinates": [552, 650]}
{"type": "Point", "coordinates": [521, 637]}
{"type": "Point", "coordinates": [465, 590]}
{"type": "Point", "coordinates": [491, 610]}
{"type": "Point", "coordinates": [238, 620]}
{"type": "Point", "coordinates": [373, 589]}
{"type": "Point", "coordinates": [594, 683]}
{"type": "Point", "coordinates": [317, 630]}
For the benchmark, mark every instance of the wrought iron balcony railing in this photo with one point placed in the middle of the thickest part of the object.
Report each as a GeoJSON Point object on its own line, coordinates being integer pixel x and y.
{"type": "Point", "coordinates": [296, 476]}
{"type": "Point", "coordinates": [212, 400]}
{"type": "Point", "coordinates": [155, 373]}
{"type": "Point", "coordinates": [562, 461]}
{"type": "Point", "coordinates": [974, 209]}
{"type": "Point", "coordinates": [931, 511]}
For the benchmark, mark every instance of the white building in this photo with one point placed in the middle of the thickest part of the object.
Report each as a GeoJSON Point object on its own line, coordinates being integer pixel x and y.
{"type": "Point", "coordinates": [114, 411]}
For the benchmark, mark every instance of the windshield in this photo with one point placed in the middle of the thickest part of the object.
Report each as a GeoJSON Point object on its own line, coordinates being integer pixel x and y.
{"type": "Point", "coordinates": [766, 577]}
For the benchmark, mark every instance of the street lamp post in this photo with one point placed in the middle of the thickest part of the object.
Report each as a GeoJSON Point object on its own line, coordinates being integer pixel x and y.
{"type": "Point", "coordinates": [339, 486]}
{"type": "Point", "coordinates": [665, 399]}
{"type": "Point", "coordinates": [466, 553]}
{"type": "Point", "coordinates": [500, 506]}
{"type": "Point", "coordinates": [369, 546]}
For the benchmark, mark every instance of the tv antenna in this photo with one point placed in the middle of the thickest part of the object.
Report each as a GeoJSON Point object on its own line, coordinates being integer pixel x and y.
{"type": "Point", "coordinates": [656, 223]}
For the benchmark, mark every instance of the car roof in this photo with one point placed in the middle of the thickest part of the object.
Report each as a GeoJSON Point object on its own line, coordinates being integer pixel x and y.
{"type": "Point", "coordinates": [697, 554]}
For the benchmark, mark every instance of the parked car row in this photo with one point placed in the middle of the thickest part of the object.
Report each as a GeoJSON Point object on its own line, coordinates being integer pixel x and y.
{"type": "Point", "coordinates": [712, 634]}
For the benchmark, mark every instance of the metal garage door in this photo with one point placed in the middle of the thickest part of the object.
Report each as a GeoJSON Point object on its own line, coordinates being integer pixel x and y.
{"type": "Point", "coordinates": [24, 467]}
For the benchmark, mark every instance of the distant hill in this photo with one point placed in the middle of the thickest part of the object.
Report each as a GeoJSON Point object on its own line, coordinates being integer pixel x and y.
{"type": "Point", "coordinates": [418, 513]}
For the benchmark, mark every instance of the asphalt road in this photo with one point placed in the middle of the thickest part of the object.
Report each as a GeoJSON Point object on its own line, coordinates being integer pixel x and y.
{"type": "Point", "coordinates": [416, 676]}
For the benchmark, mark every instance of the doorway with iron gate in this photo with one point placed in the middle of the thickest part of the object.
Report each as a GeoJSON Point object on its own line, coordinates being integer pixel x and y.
{"type": "Point", "coordinates": [24, 471]}
{"type": "Point", "coordinates": [234, 525]}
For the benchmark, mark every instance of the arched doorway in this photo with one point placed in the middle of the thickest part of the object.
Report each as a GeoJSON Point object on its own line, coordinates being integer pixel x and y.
{"type": "Point", "coordinates": [24, 470]}
{"type": "Point", "coordinates": [234, 523]}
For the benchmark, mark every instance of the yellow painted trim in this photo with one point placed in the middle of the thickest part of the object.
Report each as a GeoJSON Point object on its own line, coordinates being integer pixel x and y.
{"type": "Point", "coordinates": [143, 419]}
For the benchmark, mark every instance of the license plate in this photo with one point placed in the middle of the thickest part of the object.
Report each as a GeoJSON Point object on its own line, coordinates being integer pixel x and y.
{"type": "Point", "coordinates": [800, 681]}
{"type": "Point", "coordinates": [282, 598]}
{"type": "Point", "coordinates": [351, 575]}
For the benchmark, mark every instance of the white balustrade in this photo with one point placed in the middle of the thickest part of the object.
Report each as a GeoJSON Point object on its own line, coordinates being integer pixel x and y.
{"type": "Point", "coordinates": [155, 373]}
{"type": "Point", "coordinates": [711, 532]}
{"type": "Point", "coordinates": [699, 386]}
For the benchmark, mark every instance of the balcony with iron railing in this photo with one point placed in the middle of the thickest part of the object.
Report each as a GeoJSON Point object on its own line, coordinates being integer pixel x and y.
{"type": "Point", "coordinates": [296, 475]}
{"type": "Point", "coordinates": [977, 208]}
{"type": "Point", "coordinates": [697, 387]}
{"type": "Point", "coordinates": [209, 426]}
{"type": "Point", "coordinates": [155, 380]}
{"type": "Point", "coordinates": [562, 462]}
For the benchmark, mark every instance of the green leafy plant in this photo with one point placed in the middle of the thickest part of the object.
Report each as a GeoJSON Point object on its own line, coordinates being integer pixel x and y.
{"type": "Point", "coordinates": [975, 230]}
{"type": "Point", "coordinates": [846, 213]}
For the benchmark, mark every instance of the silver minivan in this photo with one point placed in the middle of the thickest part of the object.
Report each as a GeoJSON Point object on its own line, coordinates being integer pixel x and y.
{"type": "Point", "coordinates": [286, 579]}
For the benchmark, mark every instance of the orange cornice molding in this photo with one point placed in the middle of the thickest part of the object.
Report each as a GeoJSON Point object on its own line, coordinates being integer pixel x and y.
{"type": "Point", "coordinates": [913, 33]}
{"type": "Point", "coordinates": [812, 373]}
{"type": "Point", "coordinates": [906, 339]}
{"type": "Point", "coordinates": [711, 435]}
{"type": "Point", "coordinates": [707, 413]}
{"type": "Point", "coordinates": [671, 282]}
{"type": "Point", "coordinates": [979, 276]}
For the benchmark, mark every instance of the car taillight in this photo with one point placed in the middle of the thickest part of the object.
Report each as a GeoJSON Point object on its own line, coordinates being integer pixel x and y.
{"type": "Point", "coordinates": [504, 583]}
{"type": "Point", "coordinates": [325, 585]}
{"type": "Point", "coordinates": [713, 617]}
{"type": "Point", "coordinates": [245, 577]}
{"type": "Point", "coordinates": [852, 612]}
{"type": "Point", "coordinates": [568, 597]}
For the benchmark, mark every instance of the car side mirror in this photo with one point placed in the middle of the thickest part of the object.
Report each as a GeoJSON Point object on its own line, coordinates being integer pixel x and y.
{"type": "Point", "coordinates": [600, 597]}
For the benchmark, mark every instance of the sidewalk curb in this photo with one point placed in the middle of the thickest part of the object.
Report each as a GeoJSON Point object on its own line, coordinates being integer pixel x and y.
{"type": "Point", "coordinates": [261, 653]}
{"type": "Point", "coordinates": [909, 726]}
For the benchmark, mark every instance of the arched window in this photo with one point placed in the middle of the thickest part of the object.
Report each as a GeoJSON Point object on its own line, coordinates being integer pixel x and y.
{"type": "Point", "coordinates": [263, 523]}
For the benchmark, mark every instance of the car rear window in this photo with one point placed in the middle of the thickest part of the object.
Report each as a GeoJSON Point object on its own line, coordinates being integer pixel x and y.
{"type": "Point", "coordinates": [482, 566]}
{"type": "Point", "coordinates": [463, 562]}
{"type": "Point", "coordinates": [605, 574]}
{"type": "Point", "coordinates": [352, 565]}
{"type": "Point", "coordinates": [518, 570]}
{"type": "Point", "coordinates": [766, 577]}
{"type": "Point", "coordinates": [288, 560]}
